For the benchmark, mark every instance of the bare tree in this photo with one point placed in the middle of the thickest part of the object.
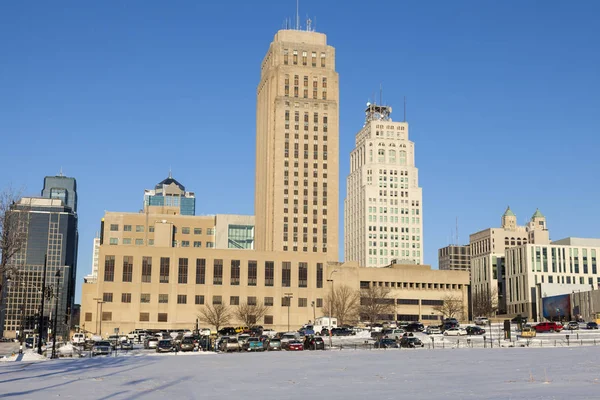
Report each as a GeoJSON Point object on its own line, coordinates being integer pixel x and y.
{"type": "Point", "coordinates": [343, 304]}
{"type": "Point", "coordinates": [485, 303]}
{"type": "Point", "coordinates": [250, 314]}
{"type": "Point", "coordinates": [451, 308]}
{"type": "Point", "coordinates": [375, 303]}
{"type": "Point", "coordinates": [216, 315]}
{"type": "Point", "coordinates": [12, 233]}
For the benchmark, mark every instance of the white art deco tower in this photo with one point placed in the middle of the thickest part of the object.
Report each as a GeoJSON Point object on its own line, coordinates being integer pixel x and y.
{"type": "Point", "coordinates": [383, 218]}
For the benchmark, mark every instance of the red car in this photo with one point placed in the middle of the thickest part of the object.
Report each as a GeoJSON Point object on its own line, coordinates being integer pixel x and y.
{"type": "Point", "coordinates": [295, 345]}
{"type": "Point", "coordinates": [548, 327]}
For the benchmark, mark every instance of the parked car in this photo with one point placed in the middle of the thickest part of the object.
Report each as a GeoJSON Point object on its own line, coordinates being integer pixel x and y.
{"type": "Point", "coordinates": [103, 347]}
{"type": "Point", "coordinates": [187, 344]}
{"type": "Point", "coordinates": [287, 337]}
{"type": "Point", "coordinates": [592, 325]}
{"type": "Point", "coordinates": [272, 344]}
{"type": "Point", "coordinates": [114, 341]}
{"type": "Point", "coordinates": [482, 321]}
{"type": "Point", "coordinates": [243, 338]}
{"type": "Point", "coordinates": [450, 325]}
{"type": "Point", "coordinates": [269, 332]}
{"type": "Point", "coordinates": [165, 346]}
{"type": "Point", "coordinates": [474, 330]}
{"type": "Point", "coordinates": [342, 332]}
{"type": "Point", "coordinates": [572, 325]}
{"type": "Point", "coordinates": [78, 338]}
{"type": "Point", "coordinates": [548, 327]}
{"type": "Point", "coordinates": [295, 345]}
{"type": "Point", "coordinates": [455, 332]}
{"type": "Point", "coordinates": [205, 332]}
{"type": "Point", "coordinates": [253, 344]}
{"type": "Point", "coordinates": [415, 327]}
{"type": "Point", "coordinates": [227, 331]}
{"type": "Point", "coordinates": [433, 330]}
{"type": "Point", "coordinates": [386, 344]}
{"type": "Point", "coordinates": [376, 327]}
{"type": "Point", "coordinates": [314, 343]}
{"type": "Point", "coordinates": [230, 344]}
{"type": "Point", "coordinates": [241, 329]}
{"type": "Point", "coordinates": [450, 320]}
{"type": "Point", "coordinates": [528, 332]}
{"type": "Point", "coordinates": [410, 342]}
{"type": "Point", "coordinates": [150, 342]}
{"type": "Point", "coordinates": [126, 345]}
{"type": "Point", "coordinates": [519, 320]}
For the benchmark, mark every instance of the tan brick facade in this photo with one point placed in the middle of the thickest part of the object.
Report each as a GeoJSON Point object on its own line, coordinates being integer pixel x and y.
{"type": "Point", "coordinates": [297, 146]}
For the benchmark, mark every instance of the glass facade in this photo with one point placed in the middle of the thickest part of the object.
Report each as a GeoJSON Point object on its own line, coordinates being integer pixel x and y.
{"type": "Point", "coordinates": [50, 231]}
{"type": "Point", "coordinates": [240, 237]}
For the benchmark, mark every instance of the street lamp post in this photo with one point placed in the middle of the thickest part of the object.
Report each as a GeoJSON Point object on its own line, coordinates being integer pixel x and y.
{"type": "Point", "coordinates": [289, 297]}
{"type": "Point", "coordinates": [99, 302]}
{"type": "Point", "coordinates": [314, 312]}
{"type": "Point", "coordinates": [331, 302]}
{"type": "Point", "coordinates": [41, 320]}
{"type": "Point", "coordinates": [54, 338]}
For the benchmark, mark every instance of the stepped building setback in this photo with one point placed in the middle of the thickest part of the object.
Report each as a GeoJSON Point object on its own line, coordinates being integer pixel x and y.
{"type": "Point", "coordinates": [383, 210]}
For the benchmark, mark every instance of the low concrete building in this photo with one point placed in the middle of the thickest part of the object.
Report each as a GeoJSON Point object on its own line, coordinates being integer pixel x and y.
{"type": "Point", "coordinates": [455, 258]}
{"type": "Point", "coordinates": [159, 280]}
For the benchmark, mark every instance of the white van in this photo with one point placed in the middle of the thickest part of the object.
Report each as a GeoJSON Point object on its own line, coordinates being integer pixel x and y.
{"type": "Point", "coordinates": [78, 338]}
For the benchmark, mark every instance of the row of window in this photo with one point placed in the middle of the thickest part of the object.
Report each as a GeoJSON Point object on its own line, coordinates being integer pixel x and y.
{"type": "Point", "coordinates": [200, 271]}
{"type": "Point", "coordinates": [163, 298]}
{"type": "Point", "coordinates": [140, 242]}
{"type": "Point", "coordinates": [412, 285]}
{"type": "Point", "coordinates": [160, 317]}
{"type": "Point", "coordinates": [304, 61]}
{"type": "Point", "coordinates": [141, 228]}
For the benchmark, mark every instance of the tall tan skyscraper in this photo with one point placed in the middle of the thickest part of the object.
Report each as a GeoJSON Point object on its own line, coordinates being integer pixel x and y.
{"type": "Point", "coordinates": [297, 146]}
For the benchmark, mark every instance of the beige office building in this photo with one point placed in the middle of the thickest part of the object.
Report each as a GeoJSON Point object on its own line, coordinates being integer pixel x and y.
{"type": "Point", "coordinates": [488, 248]}
{"type": "Point", "coordinates": [297, 141]}
{"type": "Point", "coordinates": [154, 282]}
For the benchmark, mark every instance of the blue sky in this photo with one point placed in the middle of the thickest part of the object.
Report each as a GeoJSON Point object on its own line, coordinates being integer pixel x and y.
{"type": "Point", "coordinates": [502, 102]}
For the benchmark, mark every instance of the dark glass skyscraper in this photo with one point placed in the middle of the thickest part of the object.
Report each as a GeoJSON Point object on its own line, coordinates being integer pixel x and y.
{"type": "Point", "coordinates": [50, 228]}
{"type": "Point", "coordinates": [63, 188]}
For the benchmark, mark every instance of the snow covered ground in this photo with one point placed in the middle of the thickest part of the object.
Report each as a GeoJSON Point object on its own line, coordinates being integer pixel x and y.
{"type": "Point", "coordinates": [508, 373]}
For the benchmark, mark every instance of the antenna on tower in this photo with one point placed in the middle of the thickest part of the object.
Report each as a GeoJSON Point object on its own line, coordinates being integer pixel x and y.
{"type": "Point", "coordinates": [297, 15]}
{"type": "Point", "coordinates": [404, 108]}
{"type": "Point", "coordinates": [457, 231]}
{"type": "Point", "coordinates": [380, 94]}
{"type": "Point", "coordinates": [60, 172]}
{"type": "Point", "coordinates": [308, 23]}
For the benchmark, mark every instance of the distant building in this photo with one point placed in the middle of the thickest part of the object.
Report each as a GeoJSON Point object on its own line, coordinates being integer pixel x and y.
{"type": "Point", "coordinates": [383, 210]}
{"type": "Point", "coordinates": [234, 231]}
{"type": "Point", "coordinates": [534, 271]}
{"type": "Point", "coordinates": [51, 231]}
{"type": "Point", "coordinates": [63, 188]}
{"type": "Point", "coordinates": [455, 258]}
{"type": "Point", "coordinates": [170, 197]}
{"type": "Point", "coordinates": [488, 248]}
{"type": "Point", "coordinates": [95, 253]}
